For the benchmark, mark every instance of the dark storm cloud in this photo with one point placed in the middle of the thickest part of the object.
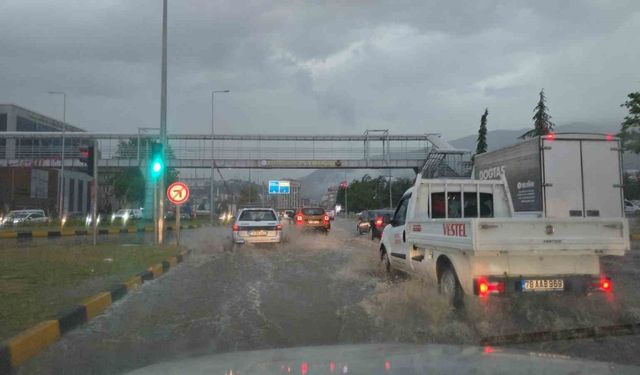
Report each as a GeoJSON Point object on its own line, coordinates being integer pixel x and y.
{"type": "Point", "coordinates": [316, 67]}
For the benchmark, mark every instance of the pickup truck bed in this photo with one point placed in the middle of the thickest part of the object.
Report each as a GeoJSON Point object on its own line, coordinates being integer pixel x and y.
{"type": "Point", "coordinates": [601, 236]}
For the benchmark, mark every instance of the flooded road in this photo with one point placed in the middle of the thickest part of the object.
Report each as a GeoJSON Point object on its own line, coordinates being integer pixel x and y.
{"type": "Point", "coordinates": [316, 290]}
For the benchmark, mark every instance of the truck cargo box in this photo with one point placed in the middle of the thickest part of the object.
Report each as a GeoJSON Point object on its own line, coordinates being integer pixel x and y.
{"type": "Point", "coordinates": [559, 175]}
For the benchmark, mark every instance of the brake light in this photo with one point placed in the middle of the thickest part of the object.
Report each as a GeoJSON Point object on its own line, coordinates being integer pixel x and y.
{"type": "Point", "coordinates": [279, 227]}
{"type": "Point", "coordinates": [236, 227]}
{"type": "Point", "coordinates": [605, 284]}
{"type": "Point", "coordinates": [485, 287]}
{"type": "Point", "coordinates": [379, 222]}
{"type": "Point", "coordinates": [326, 218]}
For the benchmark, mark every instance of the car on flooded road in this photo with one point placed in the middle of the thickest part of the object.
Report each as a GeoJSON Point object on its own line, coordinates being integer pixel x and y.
{"type": "Point", "coordinates": [363, 225]}
{"type": "Point", "coordinates": [257, 225]}
{"type": "Point", "coordinates": [313, 218]}
{"type": "Point", "coordinates": [331, 213]}
{"type": "Point", "coordinates": [379, 220]}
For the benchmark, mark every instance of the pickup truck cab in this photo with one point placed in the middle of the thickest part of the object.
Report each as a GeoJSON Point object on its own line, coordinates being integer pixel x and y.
{"type": "Point", "coordinates": [461, 234]}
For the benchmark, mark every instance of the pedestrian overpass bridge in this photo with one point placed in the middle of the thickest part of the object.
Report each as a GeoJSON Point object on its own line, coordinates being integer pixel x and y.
{"type": "Point", "coordinates": [375, 149]}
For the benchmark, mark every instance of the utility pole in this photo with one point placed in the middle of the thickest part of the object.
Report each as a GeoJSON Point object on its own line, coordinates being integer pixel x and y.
{"type": "Point", "coordinates": [94, 202]}
{"type": "Point", "coordinates": [390, 198]}
{"type": "Point", "coordinates": [346, 188]}
{"type": "Point", "coordinates": [250, 188]}
{"type": "Point", "coordinates": [163, 122]}
{"type": "Point", "coordinates": [64, 131]}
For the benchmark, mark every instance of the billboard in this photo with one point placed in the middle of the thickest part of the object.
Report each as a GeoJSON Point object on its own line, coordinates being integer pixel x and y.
{"type": "Point", "coordinates": [279, 187]}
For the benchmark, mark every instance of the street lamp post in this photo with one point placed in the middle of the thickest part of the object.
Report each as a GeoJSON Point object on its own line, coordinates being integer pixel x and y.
{"type": "Point", "coordinates": [163, 124]}
{"type": "Point", "coordinates": [212, 154]}
{"type": "Point", "coordinates": [64, 131]}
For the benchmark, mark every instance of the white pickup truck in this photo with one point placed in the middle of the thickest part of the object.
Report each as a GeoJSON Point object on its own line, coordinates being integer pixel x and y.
{"type": "Point", "coordinates": [462, 235]}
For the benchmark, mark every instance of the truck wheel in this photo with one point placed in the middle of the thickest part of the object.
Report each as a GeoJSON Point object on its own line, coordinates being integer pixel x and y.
{"type": "Point", "coordinates": [450, 288]}
{"type": "Point", "coordinates": [385, 263]}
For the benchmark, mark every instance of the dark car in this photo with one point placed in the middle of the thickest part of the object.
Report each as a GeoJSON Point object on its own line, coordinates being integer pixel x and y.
{"type": "Point", "coordinates": [313, 218]}
{"type": "Point", "coordinates": [380, 219]}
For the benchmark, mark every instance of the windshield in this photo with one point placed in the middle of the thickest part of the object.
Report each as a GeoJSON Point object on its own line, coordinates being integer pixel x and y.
{"type": "Point", "coordinates": [257, 215]}
{"type": "Point", "coordinates": [313, 211]}
{"type": "Point", "coordinates": [304, 174]}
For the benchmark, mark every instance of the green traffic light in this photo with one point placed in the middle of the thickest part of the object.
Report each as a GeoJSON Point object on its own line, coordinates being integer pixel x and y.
{"type": "Point", "coordinates": [157, 167]}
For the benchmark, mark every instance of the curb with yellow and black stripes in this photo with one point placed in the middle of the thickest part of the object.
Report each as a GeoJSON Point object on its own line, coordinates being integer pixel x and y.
{"type": "Point", "coordinates": [32, 341]}
{"type": "Point", "coordinates": [83, 232]}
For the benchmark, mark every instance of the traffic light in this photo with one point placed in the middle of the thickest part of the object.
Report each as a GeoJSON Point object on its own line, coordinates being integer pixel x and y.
{"type": "Point", "coordinates": [157, 160]}
{"type": "Point", "coordinates": [84, 154]}
{"type": "Point", "coordinates": [87, 156]}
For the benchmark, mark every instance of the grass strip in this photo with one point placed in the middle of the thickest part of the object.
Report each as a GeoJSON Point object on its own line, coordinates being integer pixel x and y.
{"type": "Point", "coordinates": [36, 283]}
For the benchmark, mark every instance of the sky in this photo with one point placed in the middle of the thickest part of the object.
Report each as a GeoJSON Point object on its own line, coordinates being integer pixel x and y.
{"type": "Point", "coordinates": [314, 67]}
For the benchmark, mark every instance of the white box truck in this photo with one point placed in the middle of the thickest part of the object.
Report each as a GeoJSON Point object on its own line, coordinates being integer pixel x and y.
{"type": "Point", "coordinates": [560, 175]}
{"type": "Point", "coordinates": [467, 237]}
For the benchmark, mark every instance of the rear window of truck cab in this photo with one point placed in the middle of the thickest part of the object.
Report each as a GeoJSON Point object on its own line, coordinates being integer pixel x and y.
{"type": "Point", "coordinates": [455, 206]}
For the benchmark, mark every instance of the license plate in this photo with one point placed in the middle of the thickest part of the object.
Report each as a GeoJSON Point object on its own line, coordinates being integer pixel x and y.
{"type": "Point", "coordinates": [258, 233]}
{"type": "Point", "coordinates": [314, 222]}
{"type": "Point", "coordinates": [542, 285]}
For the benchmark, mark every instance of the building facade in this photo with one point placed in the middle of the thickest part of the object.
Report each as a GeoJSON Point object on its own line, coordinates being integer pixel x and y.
{"type": "Point", "coordinates": [23, 183]}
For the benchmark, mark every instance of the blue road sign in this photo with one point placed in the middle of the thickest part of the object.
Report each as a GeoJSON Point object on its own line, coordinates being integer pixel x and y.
{"type": "Point", "coordinates": [279, 187]}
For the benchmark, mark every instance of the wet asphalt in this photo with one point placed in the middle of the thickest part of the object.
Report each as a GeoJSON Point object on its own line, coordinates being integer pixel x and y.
{"type": "Point", "coordinates": [317, 290]}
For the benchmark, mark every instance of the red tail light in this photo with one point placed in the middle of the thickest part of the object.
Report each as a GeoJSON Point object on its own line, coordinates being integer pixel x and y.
{"type": "Point", "coordinates": [279, 227]}
{"type": "Point", "coordinates": [485, 287]}
{"type": "Point", "coordinates": [605, 284]}
{"type": "Point", "coordinates": [236, 227]}
{"type": "Point", "coordinates": [326, 218]}
{"type": "Point", "coordinates": [379, 222]}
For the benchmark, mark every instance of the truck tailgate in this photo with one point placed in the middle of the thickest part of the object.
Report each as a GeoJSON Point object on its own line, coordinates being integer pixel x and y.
{"type": "Point", "coordinates": [581, 235]}
{"type": "Point", "coordinates": [523, 235]}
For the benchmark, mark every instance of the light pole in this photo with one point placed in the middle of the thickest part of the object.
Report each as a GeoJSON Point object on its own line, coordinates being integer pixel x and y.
{"type": "Point", "coordinates": [346, 207]}
{"type": "Point", "coordinates": [163, 123]}
{"type": "Point", "coordinates": [212, 155]}
{"type": "Point", "coordinates": [64, 131]}
{"type": "Point", "coordinates": [390, 195]}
